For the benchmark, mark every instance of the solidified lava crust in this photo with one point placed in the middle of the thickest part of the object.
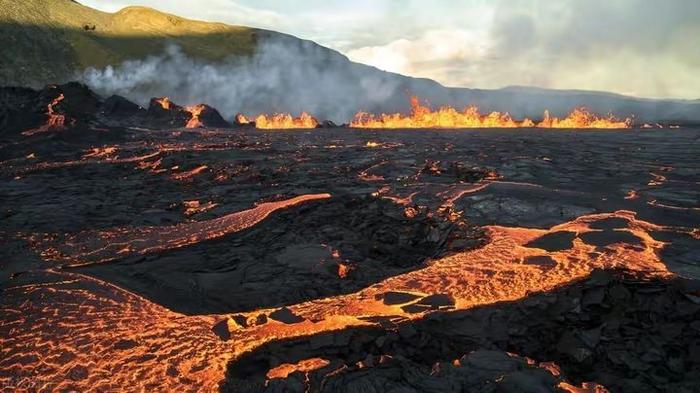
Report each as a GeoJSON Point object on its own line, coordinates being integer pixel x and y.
{"type": "Point", "coordinates": [315, 250]}
{"type": "Point", "coordinates": [160, 249]}
{"type": "Point", "coordinates": [622, 330]}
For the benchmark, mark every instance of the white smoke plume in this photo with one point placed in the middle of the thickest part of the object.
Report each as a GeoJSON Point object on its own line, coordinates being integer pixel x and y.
{"type": "Point", "coordinates": [288, 75]}
{"type": "Point", "coordinates": [284, 75]}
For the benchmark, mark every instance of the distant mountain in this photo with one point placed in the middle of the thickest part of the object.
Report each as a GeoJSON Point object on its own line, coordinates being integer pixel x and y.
{"type": "Point", "coordinates": [242, 69]}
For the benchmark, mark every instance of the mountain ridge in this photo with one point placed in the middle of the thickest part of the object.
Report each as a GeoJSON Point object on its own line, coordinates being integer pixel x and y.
{"type": "Point", "coordinates": [56, 41]}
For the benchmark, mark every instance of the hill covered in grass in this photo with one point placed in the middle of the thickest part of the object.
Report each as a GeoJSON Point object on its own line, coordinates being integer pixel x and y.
{"type": "Point", "coordinates": [49, 41]}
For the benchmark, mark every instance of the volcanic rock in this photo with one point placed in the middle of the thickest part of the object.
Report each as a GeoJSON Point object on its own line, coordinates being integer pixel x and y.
{"type": "Point", "coordinates": [164, 113]}
{"type": "Point", "coordinates": [208, 117]}
{"type": "Point", "coordinates": [53, 108]}
{"type": "Point", "coordinates": [605, 345]}
{"type": "Point", "coordinates": [296, 255]}
{"type": "Point", "coordinates": [118, 106]}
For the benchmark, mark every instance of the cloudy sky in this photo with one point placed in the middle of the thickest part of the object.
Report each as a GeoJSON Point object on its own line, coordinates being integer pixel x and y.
{"type": "Point", "coordinates": [648, 48]}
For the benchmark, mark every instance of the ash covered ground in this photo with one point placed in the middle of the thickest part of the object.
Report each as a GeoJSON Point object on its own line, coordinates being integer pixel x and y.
{"type": "Point", "coordinates": [350, 260]}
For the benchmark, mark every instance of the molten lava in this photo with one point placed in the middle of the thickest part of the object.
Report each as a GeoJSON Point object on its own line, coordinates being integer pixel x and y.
{"type": "Point", "coordinates": [164, 102]}
{"type": "Point", "coordinates": [56, 121]}
{"type": "Point", "coordinates": [447, 117]}
{"type": "Point", "coordinates": [241, 119]}
{"type": "Point", "coordinates": [195, 111]}
{"type": "Point", "coordinates": [283, 121]}
{"type": "Point", "coordinates": [581, 118]}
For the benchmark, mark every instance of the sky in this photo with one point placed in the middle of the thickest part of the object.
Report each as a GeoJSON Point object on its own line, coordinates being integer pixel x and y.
{"type": "Point", "coordinates": [644, 48]}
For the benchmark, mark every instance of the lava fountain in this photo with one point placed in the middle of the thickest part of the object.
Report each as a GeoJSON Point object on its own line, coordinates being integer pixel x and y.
{"type": "Point", "coordinates": [282, 121]}
{"type": "Point", "coordinates": [422, 116]}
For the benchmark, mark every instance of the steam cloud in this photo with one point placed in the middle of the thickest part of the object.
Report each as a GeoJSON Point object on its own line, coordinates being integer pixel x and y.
{"type": "Point", "coordinates": [288, 75]}
{"type": "Point", "coordinates": [284, 75]}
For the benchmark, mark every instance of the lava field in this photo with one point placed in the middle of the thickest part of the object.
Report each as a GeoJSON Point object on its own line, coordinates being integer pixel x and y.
{"type": "Point", "coordinates": [163, 249]}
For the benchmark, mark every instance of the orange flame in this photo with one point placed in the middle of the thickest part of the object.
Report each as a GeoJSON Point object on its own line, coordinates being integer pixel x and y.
{"type": "Point", "coordinates": [195, 111]}
{"type": "Point", "coordinates": [164, 102]}
{"type": "Point", "coordinates": [582, 118]}
{"type": "Point", "coordinates": [241, 119]}
{"type": "Point", "coordinates": [448, 117]}
{"type": "Point", "coordinates": [285, 121]}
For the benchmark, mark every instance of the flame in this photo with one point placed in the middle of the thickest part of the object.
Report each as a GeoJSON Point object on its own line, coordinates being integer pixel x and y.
{"type": "Point", "coordinates": [282, 121]}
{"type": "Point", "coordinates": [195, 111]}
{"type": "Point", "coordinates": [241, 119]}
{"type": "Point", "coordinates": [164, 102]}
{"type": "Point", "coordinates": [448, 117]}
{"type": "Point", "coordinates": [582, 118]}
{"type": "Point", "coordinates": [56, 121]}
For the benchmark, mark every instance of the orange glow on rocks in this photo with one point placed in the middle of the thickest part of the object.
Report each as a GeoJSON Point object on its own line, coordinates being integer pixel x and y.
{"type": "Point", "coordinates": [582, 118]}
{"type": "Point", "coordinates": [283, 370]}
{"type": "Point", "coordinates": [422, 116]}
{"type": "Point", "coordinates": [96, 247]}
{"type": "Point", "coordinates": [86, 311]}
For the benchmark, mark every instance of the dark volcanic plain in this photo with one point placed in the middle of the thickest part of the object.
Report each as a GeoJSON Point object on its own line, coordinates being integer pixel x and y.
{"type": "Point", "coordinates": [350, 260]}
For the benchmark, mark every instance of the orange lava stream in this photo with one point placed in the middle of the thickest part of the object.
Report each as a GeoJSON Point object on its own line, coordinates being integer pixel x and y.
{"type": "Point", "coordinates": [96, 247]}
{"type": "Point", "coordinates": [493, 273]}
{"type": "Point", "coordinates": [285, 121]}
{"type": "Point", "coordinates": [189, 174]}
{"type": "Point", "coordinates": [73, 334]}
{"type": "Point", "coordinates": [56, 121]}
{"type": "Point", "coordinates": [447, 117]}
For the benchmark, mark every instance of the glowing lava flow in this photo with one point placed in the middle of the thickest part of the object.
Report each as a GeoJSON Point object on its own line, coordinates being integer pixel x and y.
{"type": "Point", "coordinates": [500, 271]}
{"type": "Point", "coordinates": [447, 117]}
{"type": "Point", "coordinates": [96, 247]}
{"type": "Point", "coordinates": [55, 122]}
{"type": "Point", "coordinates": [285, 121]}
{"type": "Point", "coordinates": [74, 332]}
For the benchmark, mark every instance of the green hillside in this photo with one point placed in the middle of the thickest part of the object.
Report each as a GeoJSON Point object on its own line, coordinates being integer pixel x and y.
{"type": "Point", "coordinates": [46, 41]}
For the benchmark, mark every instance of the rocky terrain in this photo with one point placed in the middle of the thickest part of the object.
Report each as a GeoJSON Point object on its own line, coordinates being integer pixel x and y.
{"type": "Point", "coordinates": [142, 250]}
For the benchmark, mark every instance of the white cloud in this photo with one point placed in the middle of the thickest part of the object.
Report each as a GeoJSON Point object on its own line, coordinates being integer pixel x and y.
{"type": "Point", "coordinates": [431, 55]}
{"type": "Point", "coordinates": [647, 48]}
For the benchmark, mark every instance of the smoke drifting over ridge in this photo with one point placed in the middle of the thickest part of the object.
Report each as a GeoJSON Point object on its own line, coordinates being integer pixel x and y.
{"type": "Point", "coordinates": [284, 75]}
{"type": "Point", "coordinates": [290, 75]}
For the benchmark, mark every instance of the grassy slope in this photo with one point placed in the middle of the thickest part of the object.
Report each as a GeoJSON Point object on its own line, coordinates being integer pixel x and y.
{"type": "Point", "coordinates": [46, 40]}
